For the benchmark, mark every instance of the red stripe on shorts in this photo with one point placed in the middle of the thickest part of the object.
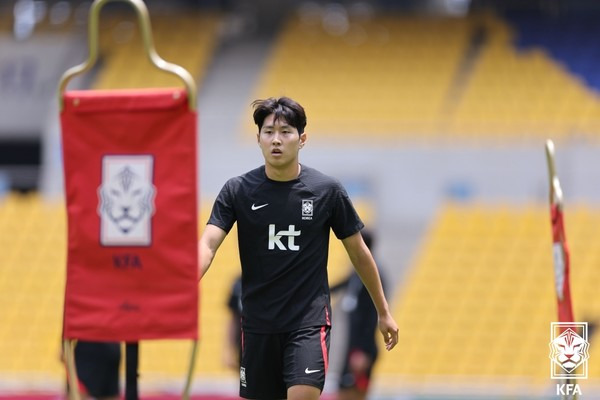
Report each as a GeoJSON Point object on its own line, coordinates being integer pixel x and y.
{"type": "Point", "coordinates": [242, 338]}
{"type": "Point", "coordinates": [324, 347]}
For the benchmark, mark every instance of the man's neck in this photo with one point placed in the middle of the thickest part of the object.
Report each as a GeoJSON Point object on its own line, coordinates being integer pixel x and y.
{"type": "Point", "coordinates": [283, 174]}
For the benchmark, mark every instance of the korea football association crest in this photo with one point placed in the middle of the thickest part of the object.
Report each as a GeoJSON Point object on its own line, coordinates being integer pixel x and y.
{"type": "Point", "coordinates": [126, 200]}
{"type": "Point", "coordinates": [307, 209]}
{"type": "Point", "coordinates": [569, 350]}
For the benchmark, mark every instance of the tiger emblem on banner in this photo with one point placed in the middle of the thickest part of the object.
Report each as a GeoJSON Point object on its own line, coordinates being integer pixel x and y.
{"type": "Point", "coordinates": [569, 350]}
{"type": "Point", "coordinates": [126, 200]}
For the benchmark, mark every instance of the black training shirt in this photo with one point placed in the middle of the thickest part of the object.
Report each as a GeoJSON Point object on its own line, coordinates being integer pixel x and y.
{"type": "Point", "coordinates": [283, 239]}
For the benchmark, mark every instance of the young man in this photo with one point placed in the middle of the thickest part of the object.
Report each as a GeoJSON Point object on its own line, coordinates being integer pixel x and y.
{"type": "Point", "coordinates": [284, 211]}
{"type": "Point", "coordinates": [361, 349]}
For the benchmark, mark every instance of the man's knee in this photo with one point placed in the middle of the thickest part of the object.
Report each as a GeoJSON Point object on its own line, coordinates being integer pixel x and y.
{"type": "Point", "coordinates": [303, 392]}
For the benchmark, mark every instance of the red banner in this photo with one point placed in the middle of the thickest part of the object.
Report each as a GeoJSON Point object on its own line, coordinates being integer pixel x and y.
{"type": "Point", "coordinates": [130, 183]}
{"type": "Point", "coordinates": [561, 265]}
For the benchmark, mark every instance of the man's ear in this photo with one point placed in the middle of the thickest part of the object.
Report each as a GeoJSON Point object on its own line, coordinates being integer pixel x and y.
{"type": "Point", "coordinates": [302, 139]}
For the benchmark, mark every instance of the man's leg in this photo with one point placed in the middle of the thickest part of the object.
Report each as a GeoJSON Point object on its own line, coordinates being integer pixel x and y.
{"type": "Point", "coordinates": [303, 392]}
{"type": "Point", "coordinates": [306, 358]}
{"type": "Point", "coordinates": [351, 394]}
{"type": "Point", "coordinates": [261, 367]}
{"type": "Point", "coordinates": [97, 366]}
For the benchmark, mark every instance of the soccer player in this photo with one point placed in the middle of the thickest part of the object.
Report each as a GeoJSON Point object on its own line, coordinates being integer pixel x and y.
{"type": "Point", "coordinates": [284, 212]}
{"type": "Point", "coordinates": [97, 366]}
{"type": "Point", "coordinates": [361, 349]}
{"type": "Point", "coordinates": [232, 350]}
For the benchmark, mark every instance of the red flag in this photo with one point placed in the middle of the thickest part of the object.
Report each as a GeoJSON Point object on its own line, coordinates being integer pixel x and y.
{"type": "Point", "coordinates": [561, 264]}
{"type": "Point", "coordinates": [130, 183]}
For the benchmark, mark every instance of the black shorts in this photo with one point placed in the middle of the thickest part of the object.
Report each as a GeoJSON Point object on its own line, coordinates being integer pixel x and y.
{"type": "Point", "coordinates": [271, 363]}
{"type": "Point", "coordinates": [97, 365]}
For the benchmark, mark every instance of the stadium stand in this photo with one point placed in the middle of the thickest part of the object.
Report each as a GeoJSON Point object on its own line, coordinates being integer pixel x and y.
{"type": "Point", "coordinates": [183, 39]}
{"type": "Point", "coordinates": [514, 95]}
{"type": "Point", "coordinates": [355, 91]}
{"type": "Point", "coordinates": [442, 78]}
{"type": "Point", "coordinates": [38, 42]}
{"type": "Point", "coordinates": [569, 39]}
{"type": "Point", "coordinates": [32, 275]}
{"type": "Point", "coordinates": [477, 305]}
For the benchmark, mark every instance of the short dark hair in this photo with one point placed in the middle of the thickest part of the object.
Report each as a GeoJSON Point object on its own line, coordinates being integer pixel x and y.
{"type": "Point", "coordinates": [283, 108]}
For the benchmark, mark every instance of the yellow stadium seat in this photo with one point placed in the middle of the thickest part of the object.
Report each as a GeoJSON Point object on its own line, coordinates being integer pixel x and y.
{"type": "Point", "coordinates": [385, 76]}
{"type": "Point", "coordinates": [183, 39]}
{"type": "Point", "coordinates": [478, 301]}
{"type": "Point", "coordinates": [397, 78]}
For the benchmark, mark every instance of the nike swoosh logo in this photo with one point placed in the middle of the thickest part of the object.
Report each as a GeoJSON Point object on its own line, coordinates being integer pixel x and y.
{"type": "Point", "coordinates": [310, 371]}
{"type": "Point", "coordinates": [254, 208]}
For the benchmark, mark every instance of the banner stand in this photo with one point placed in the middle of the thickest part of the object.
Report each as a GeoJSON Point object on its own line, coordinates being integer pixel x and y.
{"type": "Point", "coordinates": [146, 31]}
{"type": "Point", "coordinates": [69, 357]}
{"type": "Point", "coordinates": [190, 86]}
{"type": "Point", "coordinates": [555, 194]}
{"type": "Point", "coordinates": [190, 373]}
{"type": "Point", "coordinates": [560, 250]}
{"type": "Point", "coordinates": [72, 379]}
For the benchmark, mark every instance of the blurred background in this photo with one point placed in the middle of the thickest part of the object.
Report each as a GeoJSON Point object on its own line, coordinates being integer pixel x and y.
{"type": "Point", "coordinates": [432, 113]}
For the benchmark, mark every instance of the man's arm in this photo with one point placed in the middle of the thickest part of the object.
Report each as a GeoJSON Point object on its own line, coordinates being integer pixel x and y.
{"type": "Point", "coordinates": [211, 239]}
{"type": "Point", "coordinates": [365, 266]}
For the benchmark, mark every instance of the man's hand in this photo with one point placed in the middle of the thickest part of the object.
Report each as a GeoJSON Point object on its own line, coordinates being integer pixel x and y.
{"type": "Point", "coordinates": [389, 330]}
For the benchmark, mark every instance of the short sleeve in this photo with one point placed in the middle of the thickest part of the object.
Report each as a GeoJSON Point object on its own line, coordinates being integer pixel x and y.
{"type": "Point", "coordinates": [345, 221]}
{"type": "Point", "coordinates": [223, 212]}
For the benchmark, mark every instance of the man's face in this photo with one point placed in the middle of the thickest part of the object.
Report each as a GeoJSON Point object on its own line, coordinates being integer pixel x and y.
{"type": "Point", "coordinates": [279, 142]}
